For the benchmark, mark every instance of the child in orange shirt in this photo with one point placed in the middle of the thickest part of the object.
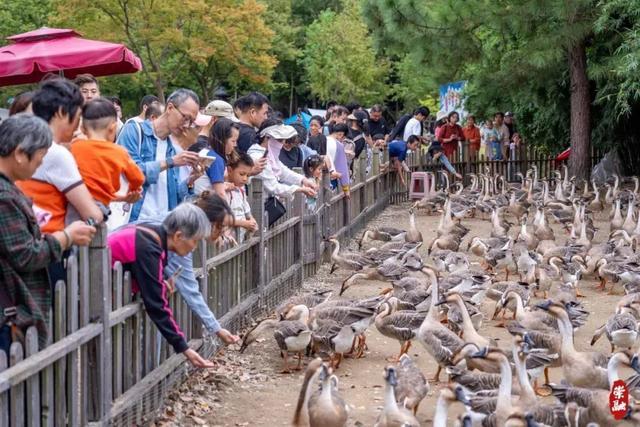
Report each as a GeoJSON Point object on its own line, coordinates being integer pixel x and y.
{"type": "Point", "coordinates": [101, 162]}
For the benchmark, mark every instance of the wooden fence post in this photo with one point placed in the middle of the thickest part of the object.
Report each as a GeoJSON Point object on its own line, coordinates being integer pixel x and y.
{"type": "Point", "coordinates": [257, 205]}
{"type": "Point", "coordinates": [99, 375]}
{"type": "Point", "coordinates": [298, 210]}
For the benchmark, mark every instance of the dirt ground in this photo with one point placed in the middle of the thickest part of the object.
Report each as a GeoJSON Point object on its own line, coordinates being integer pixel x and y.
{"type": "Point", "coordinates": [248, 390]}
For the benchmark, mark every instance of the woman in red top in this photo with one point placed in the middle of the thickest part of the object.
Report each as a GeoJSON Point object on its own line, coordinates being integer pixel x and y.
{"type": "Point", "coordinates": [451, 133]}
{"type": "Point", "coordinates": [472, 134]}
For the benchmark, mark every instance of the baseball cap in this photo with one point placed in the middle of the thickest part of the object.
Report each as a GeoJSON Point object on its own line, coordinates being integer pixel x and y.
{"type": "Point", "coordinates": [508, 114]}
{"type": "Point", "coordinates": [220, 108]}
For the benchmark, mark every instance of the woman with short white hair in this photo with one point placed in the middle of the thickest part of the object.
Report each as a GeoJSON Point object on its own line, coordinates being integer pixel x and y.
{"type": "Point", "coordinates": [142, 249]}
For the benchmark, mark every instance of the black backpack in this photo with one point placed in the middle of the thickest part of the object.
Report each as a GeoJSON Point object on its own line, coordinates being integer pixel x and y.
{"type": "Point", "coordinates": [398, 129]}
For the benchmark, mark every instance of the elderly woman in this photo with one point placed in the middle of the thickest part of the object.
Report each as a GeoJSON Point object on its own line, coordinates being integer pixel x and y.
{"type": "Point", "coordinates": [220, 216]}
{"type": "Point", "coordinates": [25, 253]}
{"type": "Point", "coordinates": [143, 249]}
{"type": "Point", "coordinates": [277, 179]}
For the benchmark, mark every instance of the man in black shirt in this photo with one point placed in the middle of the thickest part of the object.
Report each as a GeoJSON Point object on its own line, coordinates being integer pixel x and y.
{"type": "Point", "coordinates": [377, 124]}
{"type": "Point", "coordinates": [251, 110]}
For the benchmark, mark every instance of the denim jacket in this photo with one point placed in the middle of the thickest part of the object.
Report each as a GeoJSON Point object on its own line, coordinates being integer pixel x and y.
{"type": "Point", "coordinates": [144, 154]}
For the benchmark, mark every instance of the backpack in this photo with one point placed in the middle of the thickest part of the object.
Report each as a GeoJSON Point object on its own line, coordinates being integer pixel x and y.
{"type": "Point", "coordinates": [398, 129]}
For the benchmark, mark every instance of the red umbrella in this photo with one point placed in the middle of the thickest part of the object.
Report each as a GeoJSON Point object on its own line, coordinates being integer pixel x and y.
{"type": "Point", "coordinates": [32, 55]}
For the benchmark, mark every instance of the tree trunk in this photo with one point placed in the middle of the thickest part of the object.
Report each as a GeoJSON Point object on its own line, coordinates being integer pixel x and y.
{"type": "Point", "coordinates": [580, 158]}
{"type": "Point", "coordinates": [159, 87]}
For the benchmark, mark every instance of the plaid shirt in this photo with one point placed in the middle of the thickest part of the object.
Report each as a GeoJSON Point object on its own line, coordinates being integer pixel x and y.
{"type": "Point", "coordinates": [24, 257]}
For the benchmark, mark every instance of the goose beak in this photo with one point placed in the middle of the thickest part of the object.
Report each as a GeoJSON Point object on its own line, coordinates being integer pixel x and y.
{"type": "Point", "coordinates": [390, 376]}
{"type": "Point", "coordinates": [481, 354]}
{"type": "Point", "coordinates": [441, 302]}
{"type": "Point", "coordinates": [545, 305]}
{"type": "Point", "coordinates": [460, 396]}
{"type": "Point", "coordinates": [528, 340]}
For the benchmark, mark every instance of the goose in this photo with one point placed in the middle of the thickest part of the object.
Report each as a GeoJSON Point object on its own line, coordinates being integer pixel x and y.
{"type": "Point", "coordinates": [500, 228]}
{"type": "Point", "coordinates": [301, 415]}
{"type": "Point", "coordinates": [596, 205]}
{"type": "Point", "coordinates": [542, 231]}
{"type": "Point", "coordinates": [334, 339]}
{"type": "Point", "coordinates": [497, 291]}
{"type": "Point", "coordinates": [413, 234]}
{"type": "Point", "coordinates": [401, 325]}
{"type": "Point", "coordinates": [629, 223]}
{"type": "Point", "coordinates": [533, 320]}
{"type": "Point", "coordinates": [327, 408]}
{"type": "Point", "coordinates": [547, 274]}
{"type": "Point", "coordinates": [412, 386]}
{"type": "Point", "coordinates": [524, 236]}
{"type": "Point", "coordinates": [504, 405]}
{"type": "Point", "coordinates": [616, 221]}
{"type": "Point", "coordinates": [292, 336]}
{"type": "Point", "coordinates": [621, 330]}
{"type": "Point", "coordinates": [389, 262]}
{"type": "Point", "coordinates": [445, 242]}
{"type": "Point", "coordinates": [439, 341]}
{"type": "Point", "coordinates": [526, 264]}
{"type": "Point", "coordinates": [448, 394]}
{"type": "Point", "coordinates": [384, 234]}
{"type": "Point", "coordinates": [517, 209]}
{"type": "Point", "coordinates": [353, 261]}
{"type": "Point", "coordinates": [479, 246]}
{"type": "Point", "coordinates": [390, 271]}
{"type": "Point", "coordinates": [310, 300]}
{"type": "Point", "coordinates": [359, 316]}
{"type": "Point", "coordinates": [392, 415]}
{"type": "Point", "coordinates": [501, 258]}
{"type": "Point", "coordinates": [469, 333]}
{"type": "Point", "coordinates": [450, 261]}
{"type": "Point", "coordinates": [580, 369]}
{"type": "Point", "coordinates": [594, 403]}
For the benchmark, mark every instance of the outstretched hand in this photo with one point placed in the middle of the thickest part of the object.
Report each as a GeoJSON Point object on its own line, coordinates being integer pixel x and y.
{"type": "Point", "coordinates": [197, 360]}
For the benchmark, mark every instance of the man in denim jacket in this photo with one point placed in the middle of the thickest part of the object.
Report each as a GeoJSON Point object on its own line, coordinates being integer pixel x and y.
{"type": "Point", "coordinates": [151, 148]}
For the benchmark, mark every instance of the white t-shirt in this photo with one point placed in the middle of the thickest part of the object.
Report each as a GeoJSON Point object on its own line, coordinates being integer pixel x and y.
{"type": "Point", "coordinates": [156, 199]}
{"type": "Point", "coordinates": [59, 168]}
{"type": "Point", "coordinates": [239, 205]}
{"type": "Point", "coordinates": [413, 127]}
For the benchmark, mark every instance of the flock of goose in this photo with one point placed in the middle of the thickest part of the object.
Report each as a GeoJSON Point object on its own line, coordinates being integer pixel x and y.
{"type": "Point", "coordinates": [525, 273]}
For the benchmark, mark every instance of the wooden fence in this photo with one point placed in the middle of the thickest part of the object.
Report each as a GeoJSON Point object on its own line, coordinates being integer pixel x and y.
{"type": "Point", "coordinates": [106, 362]}
{"type": "Point", "coordinates": [521, 159]}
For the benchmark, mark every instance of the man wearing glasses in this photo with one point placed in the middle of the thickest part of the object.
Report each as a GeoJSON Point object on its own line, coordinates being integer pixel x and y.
{"type": "Point", "coordinates": [150, 147]}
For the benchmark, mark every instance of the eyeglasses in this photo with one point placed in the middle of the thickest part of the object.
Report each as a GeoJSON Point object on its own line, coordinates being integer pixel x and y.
{"type": "Point", "coordinates": [187, 120]}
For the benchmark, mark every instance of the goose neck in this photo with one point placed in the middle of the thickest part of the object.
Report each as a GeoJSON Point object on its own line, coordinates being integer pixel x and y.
{"type": "Point", "coordinates": [442, 409]}
{"type": "Point", "coordinates": [527, 395]}
{"type": "Point", "coordinates": [613, 367]}
{"type": "Point", "coordinates": [504, 391]}
{"type": "Point", "coordinates": [566, 333]}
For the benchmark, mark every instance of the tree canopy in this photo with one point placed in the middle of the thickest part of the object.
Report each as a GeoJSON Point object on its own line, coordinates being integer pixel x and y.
{"type": "Point", "coordinates": [568, 69]}
{"type": "Point", "coordinates": [340, 61]}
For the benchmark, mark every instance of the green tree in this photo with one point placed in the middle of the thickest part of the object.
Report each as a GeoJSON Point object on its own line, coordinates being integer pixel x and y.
{"type": "Point", "coordinates": [511, 52]}
{"type": "Point", "coordinates": [203, 42]}
{"type": "Point", "coordinates": [20, 16]}
{"type": "Point", "coordinates": [340, 61]}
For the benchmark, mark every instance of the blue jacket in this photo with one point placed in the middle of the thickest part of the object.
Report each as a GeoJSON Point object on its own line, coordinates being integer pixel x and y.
{"type": "Point", "coordinates": [144, 154]}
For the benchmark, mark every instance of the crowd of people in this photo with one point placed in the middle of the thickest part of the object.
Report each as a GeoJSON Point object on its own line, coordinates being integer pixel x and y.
{"type": "Point", "coordinates": [168, 177]}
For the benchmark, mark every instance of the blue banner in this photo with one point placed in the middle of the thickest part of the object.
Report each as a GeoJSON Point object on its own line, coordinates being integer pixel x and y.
{"type": "Point", "coordinates": [451, 98]}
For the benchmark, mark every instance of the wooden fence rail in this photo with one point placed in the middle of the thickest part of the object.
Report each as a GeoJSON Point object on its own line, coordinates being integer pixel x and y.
{"type": "Point", "coordinates": [106, 363]}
